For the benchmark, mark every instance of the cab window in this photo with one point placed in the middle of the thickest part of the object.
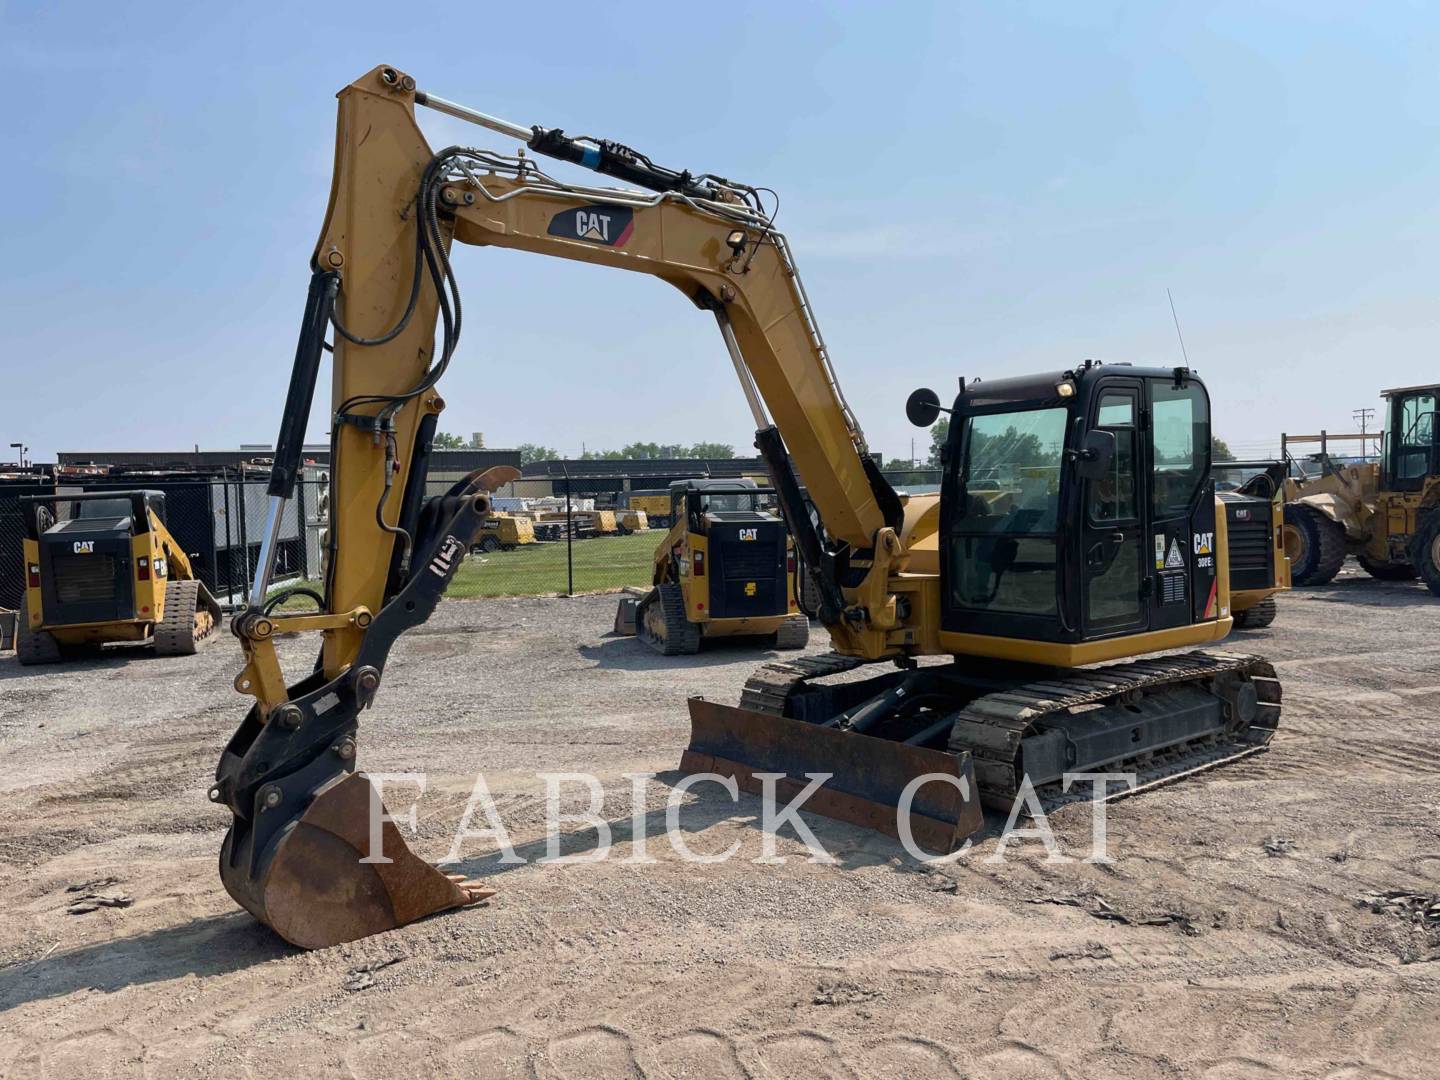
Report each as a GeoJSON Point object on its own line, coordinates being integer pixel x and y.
{"type": "Point", "coordinates": [1003, 548]}
{"type": "Point", "coordinates": [1179, 445]}
{"type": "Point", "coordinates": [1112, 496]}
{"type": "Point", "coordinates": [1417, 434]}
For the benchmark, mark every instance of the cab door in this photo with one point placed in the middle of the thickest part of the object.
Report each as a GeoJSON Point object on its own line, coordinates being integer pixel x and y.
{"type": "Point", "coordinates": [1112, 552]}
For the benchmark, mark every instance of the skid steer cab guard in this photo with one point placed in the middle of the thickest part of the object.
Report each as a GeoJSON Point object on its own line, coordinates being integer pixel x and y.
{"type": "Point", "coordinates": [726, 568]}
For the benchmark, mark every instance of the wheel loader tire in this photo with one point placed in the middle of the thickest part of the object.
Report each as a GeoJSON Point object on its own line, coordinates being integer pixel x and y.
{"type": "Point", "coordinates": [187, 623]}
{"type": "Point", "coordinates": [1425, 552]}
{"type": "Point", "coordinates": [489, 545]}
{"type": "Point", "coordinates": [662, 624]}
{"type": "Point", "coordinates": [1387, 571]}
{"type": "Point", "coordinates": [34, 646]}
{"type": "Point", "coordinates": [1315, 544]}
{"type": "Point", "coordinates": [794, 633]}
{"type": "Point", "coordinates": [1261, 615]}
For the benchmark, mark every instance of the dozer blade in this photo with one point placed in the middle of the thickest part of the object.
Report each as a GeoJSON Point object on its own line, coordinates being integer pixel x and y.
{"type": "Point", "coordinates": [868, 775]}
{"type": "Point", "coordinates": [323, 885]}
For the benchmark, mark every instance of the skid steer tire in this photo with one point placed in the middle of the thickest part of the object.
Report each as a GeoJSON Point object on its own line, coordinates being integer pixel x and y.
{"type": "Point", "coordinates": [187, 623]}
{"type": "Point", "coordinates": [489, 545]}
{"type": "Point", "coordinates": [34, 646]}
{"type": "Point", "coordinates": [1315, 544]}
{"type": "Point", "coordinates": [794, 633]}
{"type": "Point", "coordinates": [661, 623]}
{"type": "Point", "coordinates": [1257, 617]}
{"type": "Point", "coordinates": [1387, 571]}
{"type": "Point", "coordinates": [1425, 552]}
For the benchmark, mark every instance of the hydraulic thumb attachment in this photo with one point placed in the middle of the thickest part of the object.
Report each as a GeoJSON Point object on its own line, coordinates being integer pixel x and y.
{"type": "Point", "coordinates": [308, 852]}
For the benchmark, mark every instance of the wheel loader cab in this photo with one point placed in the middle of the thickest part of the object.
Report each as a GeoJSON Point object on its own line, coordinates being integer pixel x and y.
{"type": "Point", "coordinates": [1078, 505]}
{"type": "Point", "coordinates": [1412, 438]}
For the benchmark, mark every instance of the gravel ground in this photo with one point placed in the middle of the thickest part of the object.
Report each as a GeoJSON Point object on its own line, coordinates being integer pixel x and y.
{"type": "Point", "coordinates": [1246, 928]}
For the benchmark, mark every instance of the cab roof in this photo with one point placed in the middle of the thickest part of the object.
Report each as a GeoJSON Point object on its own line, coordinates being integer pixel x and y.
{"type": "Point", "coordinates": [983, 395]}
{"type": "Point", "coordinates": [1409, 389]}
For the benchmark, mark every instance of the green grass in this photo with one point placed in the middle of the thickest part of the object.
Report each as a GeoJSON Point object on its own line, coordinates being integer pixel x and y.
{"type": "Point", "coordinates": [604, 562]}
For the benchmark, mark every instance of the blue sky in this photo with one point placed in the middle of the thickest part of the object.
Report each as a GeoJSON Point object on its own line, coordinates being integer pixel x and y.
{"type": "Point", "coordinates": [970, 189]}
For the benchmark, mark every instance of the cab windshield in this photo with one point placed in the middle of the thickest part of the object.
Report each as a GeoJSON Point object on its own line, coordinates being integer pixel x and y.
{"type": "Point", "coordinates": [1003, 554]}
{"type": "Point", "coordinates": [738, 501]}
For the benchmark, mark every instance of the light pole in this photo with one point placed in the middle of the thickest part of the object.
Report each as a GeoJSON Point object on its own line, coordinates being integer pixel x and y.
{"type": "Point", "coordinates": [22, 448]}
{"type": "Point", "coordinates": [1363, 418]}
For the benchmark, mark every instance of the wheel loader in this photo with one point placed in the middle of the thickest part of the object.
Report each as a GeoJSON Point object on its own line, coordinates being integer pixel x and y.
{"type": "Point", "coordinates": [1384, 513]}
{"type": "Point", "coordinates": [725, 569]}
{"type": "Point", "coordinates": [108, 572]}
{"type": "Point", "coordinates": [1075, 536]}
{"type": "Point", "coordinates": [1254, 519]}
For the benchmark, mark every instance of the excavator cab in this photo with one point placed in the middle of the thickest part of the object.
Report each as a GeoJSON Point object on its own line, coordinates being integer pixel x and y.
{"type": "Point", "coordinates": [1078, 505]}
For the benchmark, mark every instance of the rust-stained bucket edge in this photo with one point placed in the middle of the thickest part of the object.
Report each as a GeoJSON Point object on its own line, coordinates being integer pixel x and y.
{"type": "Point", "coordinates": [317, 891]}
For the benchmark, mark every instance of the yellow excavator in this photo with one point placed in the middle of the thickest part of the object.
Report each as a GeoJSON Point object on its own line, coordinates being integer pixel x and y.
{"type": "Point", "coordinates": [1076, 525]}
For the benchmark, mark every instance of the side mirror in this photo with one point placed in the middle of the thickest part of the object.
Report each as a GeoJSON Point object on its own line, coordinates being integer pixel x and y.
{"type": "Point", "coordinates": [922, 408]}
{"type": "Point", "coordinates": [1094, 459]}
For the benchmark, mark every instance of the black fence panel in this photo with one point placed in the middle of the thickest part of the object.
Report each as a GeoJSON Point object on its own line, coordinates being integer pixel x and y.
{"type": "Point", "coordinates": [12, 532]}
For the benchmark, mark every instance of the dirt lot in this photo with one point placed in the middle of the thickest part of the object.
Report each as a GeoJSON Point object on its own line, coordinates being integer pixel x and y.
{"type": "Point", "coordinates": [1243, 953]}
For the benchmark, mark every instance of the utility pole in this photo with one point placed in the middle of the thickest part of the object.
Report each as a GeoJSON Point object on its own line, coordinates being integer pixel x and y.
{"type": "Point", "coordinates": [1363, 418]}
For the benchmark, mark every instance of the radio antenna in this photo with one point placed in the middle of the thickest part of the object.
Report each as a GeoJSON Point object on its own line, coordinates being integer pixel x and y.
{"type": "Point", "coordinates": [1178, 334]}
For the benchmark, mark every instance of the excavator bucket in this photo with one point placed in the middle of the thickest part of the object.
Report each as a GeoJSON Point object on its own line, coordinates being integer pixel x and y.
{"type": "Point", "coordinates": [868, 777]}
{"type": "Point", "coordinates": [323, 884]}
{"type": "Point", "coordinates": [310, 852]}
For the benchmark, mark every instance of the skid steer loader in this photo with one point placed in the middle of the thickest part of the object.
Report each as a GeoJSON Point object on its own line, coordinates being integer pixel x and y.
{"type": "Point", "coordinates": [109, 572]}
{"type": "Point", "coordinates": [725, 569]}
{"type": "Point", "coordinates": [1254, 516]}
{"type": "Point", "coordinates": [1385, 513]}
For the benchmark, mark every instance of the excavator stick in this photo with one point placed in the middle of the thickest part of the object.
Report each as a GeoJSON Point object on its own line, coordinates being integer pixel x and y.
{"type": "Point", "coordinates": [868, 777]}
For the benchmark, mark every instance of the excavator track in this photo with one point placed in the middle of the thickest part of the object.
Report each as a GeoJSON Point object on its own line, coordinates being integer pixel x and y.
{"type": "Point", "coordinates": [993, 726]}
{"type": "Point", "coordinates": [770, 689]}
